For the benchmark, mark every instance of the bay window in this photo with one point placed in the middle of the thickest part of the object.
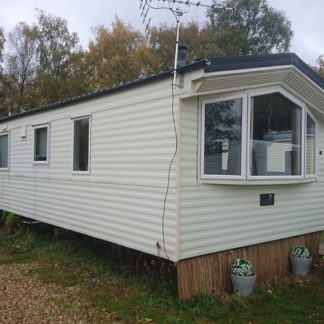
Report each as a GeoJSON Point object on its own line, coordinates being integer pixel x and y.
{"type": "Point", "coordinates": [264, 136]}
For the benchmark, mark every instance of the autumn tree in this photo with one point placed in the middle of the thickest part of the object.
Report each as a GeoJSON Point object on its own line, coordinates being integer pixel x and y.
{"type": "Point", "coordinates": [320, 66]}
{"type": "Point", "coordinates": [199, 41]}
{"type": "Point", "coordinates": [21, 65]}
{"type": "Point", "coordinates": [253, 27]}
{"type": "Point", "coordinates": [2, 41]}
{"type": "Point", "coordinates": [2, 88]}
{"type": "Point", "coordinates": [118, 55]}
{"type": "Point", "coordinates": [56, 51]}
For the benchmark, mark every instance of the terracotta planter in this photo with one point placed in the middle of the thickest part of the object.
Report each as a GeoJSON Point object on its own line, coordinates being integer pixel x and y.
{"type": "Point", "coordinates": [300, 266]}
{"type": "Point", "coordinates": [243, 285]}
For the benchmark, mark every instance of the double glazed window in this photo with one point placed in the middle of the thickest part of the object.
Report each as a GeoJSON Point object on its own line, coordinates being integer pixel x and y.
{"type": "Point", "coordinates": [275, 136]}
{"type": "Point", "coordinates": [41, 144]}
{"type": "Point", "coordinates": [81, 137]}
{"type": "Point", "coordinates": [4, 151]}
{"type": "Point", "coordinates": [223, 137]}
{"type": "Point", "coordinates": [310, 146]}
{"type": "Point", "coordinates": [276, 140]}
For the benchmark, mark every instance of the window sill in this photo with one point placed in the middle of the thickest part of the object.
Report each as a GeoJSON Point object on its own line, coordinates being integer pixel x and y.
{"type": "Point", "coordinates": [43, 163]}
{"type": "Point", "coordinates": [258, 182]}
{"type": "Point", "coordinates": [80, 172]}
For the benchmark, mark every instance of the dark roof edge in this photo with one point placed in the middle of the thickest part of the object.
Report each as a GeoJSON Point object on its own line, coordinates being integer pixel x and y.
{"type": "Point", "coordinates": [258, 61]}
{"type": "Point", "coordinates": [106, 91]}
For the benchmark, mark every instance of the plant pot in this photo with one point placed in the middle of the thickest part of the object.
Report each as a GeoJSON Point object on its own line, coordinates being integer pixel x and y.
{"type": "Point", "coordinates": [300, 266]}
{"type": "Point", "coordinates": [243, 285]}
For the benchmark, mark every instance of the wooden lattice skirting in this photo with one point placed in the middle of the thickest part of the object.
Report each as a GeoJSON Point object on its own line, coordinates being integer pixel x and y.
{"type": "Point", "coordinates": [209, 274]}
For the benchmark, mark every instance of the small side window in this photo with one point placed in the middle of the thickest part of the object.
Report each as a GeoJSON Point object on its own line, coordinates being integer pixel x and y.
{"type": "Point", "coordinates": [81, 145]}
{"type": "Point", "coordinates": [4, 142]}
{"type": "Point", "coordinates": [41, 144]}
{"type": "Point", "coordinates": [310, 146]}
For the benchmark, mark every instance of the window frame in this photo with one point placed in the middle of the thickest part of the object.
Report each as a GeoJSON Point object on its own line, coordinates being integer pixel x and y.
{"type": "Point", "coordinates": [80, 172]}
{"type": "Point", "coordinates": [314, 175]}
{"type": "Point", "coordinates": [204, 176]}
{"type": "Point", "coordinates": [246, 177]}
{"type": "Point", "coordinates": [35, 127]}
{"type": "Point", "coordinates": [6, 133]}
{"type": "Point", "coordinates": [301, 105]}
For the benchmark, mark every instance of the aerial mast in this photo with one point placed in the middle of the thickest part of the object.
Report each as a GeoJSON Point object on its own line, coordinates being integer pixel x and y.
{"type": "Point", "coordinates": [178, 8]}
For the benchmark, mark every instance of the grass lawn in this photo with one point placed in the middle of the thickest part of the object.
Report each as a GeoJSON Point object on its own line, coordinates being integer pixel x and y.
{"type": "Point", "coordinates": [111, 288]}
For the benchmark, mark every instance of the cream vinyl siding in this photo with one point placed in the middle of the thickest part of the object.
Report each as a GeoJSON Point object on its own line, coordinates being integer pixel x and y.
{"type": "Point", "coordinates": [216, 217]}
{"type": "Point", "coordinates": [121, 199]}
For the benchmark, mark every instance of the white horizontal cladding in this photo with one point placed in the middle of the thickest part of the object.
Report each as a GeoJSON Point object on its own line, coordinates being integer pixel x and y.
{"type": "Point", "coordinates": [134, 144]}
{"type": "Point", "coordinates": [288, 77]}
{"type": "Point", "coordinates": [312, 95]}
{"type": "Point", "coordinates": [189, 141]}
{"type": "Point", "coordinates": [127, 97]}
{"type": "Point", "coordinates": [238, 79]}
{"type": "Point", "coordinates": [220, 217]}
{"type": "Point", "coordinates": [121, 199]}
{"type": "Point", "coordinates": [132, 138]}
{"type": "Point", "coordinates": [20, 152]}
{"type": "Point", "coordinates": [127, 215]}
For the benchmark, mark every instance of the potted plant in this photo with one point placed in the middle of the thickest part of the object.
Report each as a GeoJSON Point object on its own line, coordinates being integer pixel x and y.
{"type": "Point", "coordinates": [242, 276]}
{"type": "Point", "coordinates": [300, 260]}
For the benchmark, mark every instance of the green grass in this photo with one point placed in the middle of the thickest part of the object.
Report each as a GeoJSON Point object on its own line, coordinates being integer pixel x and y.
{"type": "Point", "coordinates": [114, 292]}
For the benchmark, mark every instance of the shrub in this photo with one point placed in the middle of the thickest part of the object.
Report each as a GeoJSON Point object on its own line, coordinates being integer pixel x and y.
{"type": "Point", "coordinates": [242, 267]}
{"type": "Point", "coordinates": [300, 251]}
{"type": "Point", "coordinates": [12, 222]}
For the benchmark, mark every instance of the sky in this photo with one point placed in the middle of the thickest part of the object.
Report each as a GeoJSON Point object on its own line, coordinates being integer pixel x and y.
{"type": "Point", "coordinates": [82, 15]}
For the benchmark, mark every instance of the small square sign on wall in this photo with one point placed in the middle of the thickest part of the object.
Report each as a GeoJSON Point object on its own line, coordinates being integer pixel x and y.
{"type": "Point", "coordinates": [267, 199]}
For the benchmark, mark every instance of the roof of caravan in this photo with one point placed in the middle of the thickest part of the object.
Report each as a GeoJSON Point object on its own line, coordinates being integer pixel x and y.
{"type": "Point", "coordinates": [217, 64]}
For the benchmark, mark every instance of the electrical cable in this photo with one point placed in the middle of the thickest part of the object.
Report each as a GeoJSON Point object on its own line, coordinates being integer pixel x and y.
{"type": "Point", "coordinates": [169, 172]}
{"type": "Point", "coordinates": [177, 12]}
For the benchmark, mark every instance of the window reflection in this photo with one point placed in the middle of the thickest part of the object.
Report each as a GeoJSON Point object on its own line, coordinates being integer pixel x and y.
{"type": "Point", "coordinates": [276, 136]}
{"type": "Point", "coordinates": [223, 135]}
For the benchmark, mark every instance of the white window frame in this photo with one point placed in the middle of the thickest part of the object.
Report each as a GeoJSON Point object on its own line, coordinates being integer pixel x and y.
{"type": "Point", "coordinates": [246, 97]}
{"type": "Point", "coordinates": [314, 175]}
{"type": "Point", "coordinates": [86, 172]}
{"type": "Point", "coordinates": [46, 162]}
{"type": "Point", "coordinates": [301, 105]}
{"type": "Point", "coordinates": [8, 150]}
{"type": "Point", "coordinates": [241, 96]}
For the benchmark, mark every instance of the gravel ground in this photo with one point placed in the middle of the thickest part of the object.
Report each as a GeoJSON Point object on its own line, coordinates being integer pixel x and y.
{"type": "Point", "coordinates": [25, 299]}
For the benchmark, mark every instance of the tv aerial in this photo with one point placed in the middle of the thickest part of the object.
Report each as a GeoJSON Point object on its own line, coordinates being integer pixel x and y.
{"type": "Point", "coordinates": [178, 8]}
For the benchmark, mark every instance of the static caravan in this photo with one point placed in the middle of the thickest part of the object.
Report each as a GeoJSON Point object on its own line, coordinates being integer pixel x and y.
{"type": "Point", "coordinates": [228, 163]}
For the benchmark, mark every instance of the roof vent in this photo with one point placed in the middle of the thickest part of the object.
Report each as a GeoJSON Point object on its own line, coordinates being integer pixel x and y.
{"type": "Point", "coordinates": [182, 55]}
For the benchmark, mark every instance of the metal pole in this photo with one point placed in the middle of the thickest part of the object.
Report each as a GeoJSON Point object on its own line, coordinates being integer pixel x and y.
{"type": "Point", "coordinates": [176, 56]}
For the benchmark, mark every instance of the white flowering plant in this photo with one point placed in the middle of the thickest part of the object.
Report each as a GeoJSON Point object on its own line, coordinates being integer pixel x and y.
{"type": "Point", "coordinates": [242, 267]}
{"type": "Point", "coordinates": [300, 251]}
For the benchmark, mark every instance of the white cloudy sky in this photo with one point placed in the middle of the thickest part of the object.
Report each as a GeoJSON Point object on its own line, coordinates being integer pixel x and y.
{"type": "Point", "coordinates": [306, 16]}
